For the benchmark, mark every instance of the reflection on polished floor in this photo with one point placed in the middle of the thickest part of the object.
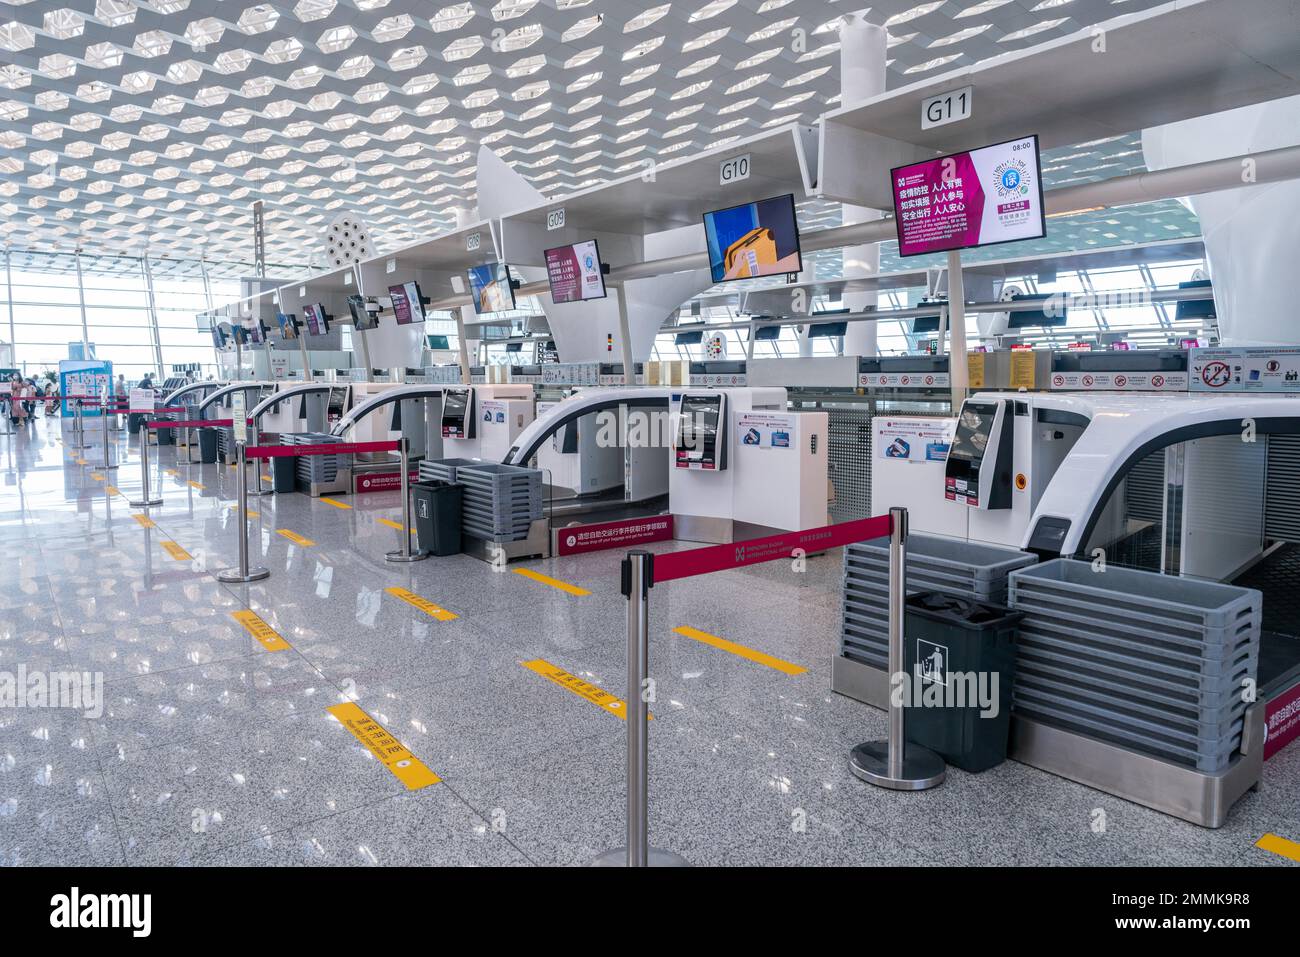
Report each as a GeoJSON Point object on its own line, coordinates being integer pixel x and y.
{"type": "Point", "coordinates": [213, 749]}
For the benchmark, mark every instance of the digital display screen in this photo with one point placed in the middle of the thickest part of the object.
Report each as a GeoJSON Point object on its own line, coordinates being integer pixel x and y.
{"type": "Point", "coordinates": [974, 428]}
{"type": "Point", "coordinates": [314, 316]}
{"type": "Point", "coordinates": [361, 317]}
{"type": "Point", "coordinates": [288, 325]}
{"type": "Point", "coordinates": [408, 303]}
{"type": "Point", "coordinates": [574, 272]}
{"type": "Point", "coordinates": [218, 337]}
{"type": "Point", "coordinates": [756, 239]}
{"type": "Point", "coordinates": [455, 409]}
{"type": "Point", "coordinates": [489, 286]}
{"type": "Point", "coordinates": [257, 332]}
{"type": "Point", "coordinates": [978, 198]}
{"type": "Point", "coordinates": [239, 334]}
{"type": "Point", "coordinates": [438, 343]}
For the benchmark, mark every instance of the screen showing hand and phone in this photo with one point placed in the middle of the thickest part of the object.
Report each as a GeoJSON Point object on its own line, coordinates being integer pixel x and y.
{"type": "Point", "coordinates": [489, 286]}
{"type": "Point", "coordinates": [752, 240]}
{"type": "Point", "coordinates": [574, 272]}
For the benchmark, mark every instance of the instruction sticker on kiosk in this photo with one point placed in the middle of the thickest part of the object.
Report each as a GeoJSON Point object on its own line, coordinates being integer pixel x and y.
{"type": "Point", "coordinates": [914, 440]}
{"type": "Point", "coordinates": [765, 431]}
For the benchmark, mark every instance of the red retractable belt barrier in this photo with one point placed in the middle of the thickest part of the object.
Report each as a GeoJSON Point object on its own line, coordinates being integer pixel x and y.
{"type": "Point", "coordinates": [715, 558]}
{"type": "Point", "coordinates": [325, 448]}
{"type": "Point", "coordinates": [188, 423]}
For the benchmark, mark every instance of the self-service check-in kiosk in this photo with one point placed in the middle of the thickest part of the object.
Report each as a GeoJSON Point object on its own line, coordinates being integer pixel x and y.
{"type": "Point", "coordinates": [743, 465]}
{"type": "Point", "coordinates": [483, 421]}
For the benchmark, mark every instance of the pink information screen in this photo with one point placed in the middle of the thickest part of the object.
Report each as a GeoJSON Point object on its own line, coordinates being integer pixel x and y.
{"type": "Point", "coordinates": [990, 195]}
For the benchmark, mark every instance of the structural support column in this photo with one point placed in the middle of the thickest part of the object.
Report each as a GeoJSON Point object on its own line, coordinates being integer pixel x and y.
{"type": "Point", "coordinates": [81, 297]}
{"type": "Point", "coordinates": [462, 344]}
{"type": "Point", "coordinates": [958, 370]}
{"type": "Point", "coordinates": [864, 49]}
{"type": "Point", "coordinates": [9, 298]}
{"type": "Point", "coordinates": [153, 316]}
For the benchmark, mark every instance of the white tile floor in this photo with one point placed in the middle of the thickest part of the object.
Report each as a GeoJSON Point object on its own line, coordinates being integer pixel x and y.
{"type": "Point", "coordinates": [213, 750]}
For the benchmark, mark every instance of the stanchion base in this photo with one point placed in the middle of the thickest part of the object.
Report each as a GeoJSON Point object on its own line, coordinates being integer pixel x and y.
{"type": "Point", "coordinates": [145, 503]}
{"type": "Point", "coordinates": [108, 468]}
{"type": "Point", "coordinates": [399, 557]}
{"type": "Point", "coordinates": [922, 768]}
{"type": "Point", "coordinates": [254, 492]}
{"type": "Point", "coordinates": [658, 858]}
{"type": "Point", "coordinates": [233, 577]}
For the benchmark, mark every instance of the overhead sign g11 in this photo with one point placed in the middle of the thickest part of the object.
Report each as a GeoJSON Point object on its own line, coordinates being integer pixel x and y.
{"type": "Point", "coordinates": [978, 198]}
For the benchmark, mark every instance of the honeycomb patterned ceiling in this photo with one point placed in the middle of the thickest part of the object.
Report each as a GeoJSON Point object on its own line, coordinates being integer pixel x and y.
{"type": "Point", "coordinates": [131, 127]}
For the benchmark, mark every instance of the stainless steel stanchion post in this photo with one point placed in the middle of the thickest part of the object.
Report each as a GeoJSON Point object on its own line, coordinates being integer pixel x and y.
{"type": "Point", "coordinates": [405, 554]}
{"type": "Point", "coordinates": [638, 577]}
{"type": "Point", "coordinates": [257, 488]}
{"type": "Point", "coordinates": [145, 500]}
{"type": "Point", "coordinates": [78, 426]}
{"type": "Point", "coordinates": [893, 763]}
{"type": "Point", "coordinates": [243, 573]}
{"type": "Point", "coordinates": [108, 465]}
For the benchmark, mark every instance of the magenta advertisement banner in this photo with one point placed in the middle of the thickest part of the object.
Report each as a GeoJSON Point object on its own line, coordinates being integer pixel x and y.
{"type": "Point", "coordinates": [990, 195]}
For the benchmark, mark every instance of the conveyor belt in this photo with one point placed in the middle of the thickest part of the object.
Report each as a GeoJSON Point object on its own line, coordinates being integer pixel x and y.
{"type": "Point", "coordinates": [1278, 578]}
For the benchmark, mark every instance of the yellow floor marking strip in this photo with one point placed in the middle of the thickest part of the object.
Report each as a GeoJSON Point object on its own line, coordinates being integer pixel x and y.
{"type": "Point", "coordinates": [337, 504]}
{"type": "Point", "coordinates": [392, 754]}
{"type": "Point", "coordinates": [97, 476]}
{"type": "Point", "coordinates": [268, 637]}
{"type": "Point", "coordinates": [170, 472]}
{"type": "Point", "coordinates": [81, 461]}
{"type": "Point", "coordinates": [144, 520]}
{"type": "Point", "coordinates": [1280, 845]}
{"type": "Point", "coordinates": [295, 537]}
{"type": "Point", "coordinates": [583, 689]}
{"type": "Point", "coordinates": [176, 552]}
{"type": "Point", "coordinates": [111, 490]}
{"type": "Point", "coordinates": [397, 525]}
{"type": "Point", "coordinates": [251, 513]}
{"type": "Point", "coordinates": [267, 478]}
{"type": "Point", "coordinates": [198, 485]}
{"type": "Point", "coordinates": [784, 667]}
{"type": "Point", "coordinates": [553, 582]}
{"type": "Point", "coordinates": [426, 606]}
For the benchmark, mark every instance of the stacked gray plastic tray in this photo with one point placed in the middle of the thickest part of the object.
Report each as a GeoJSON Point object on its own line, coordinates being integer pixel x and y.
{"type": "Point", "coordinates": [443, 470]}
{"type": "Point", "coordinates": [954, 567]}
{"type": "Point", "coordinates": [316, 469]}
{"type": "Point", "coordinates": [1151, 662]}
{"type": "Point", "coordinates": [500, 502]}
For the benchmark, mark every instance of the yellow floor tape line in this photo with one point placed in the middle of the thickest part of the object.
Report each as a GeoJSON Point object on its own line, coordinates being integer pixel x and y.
{"type": "Point", "coordinates": [267, 478]}
{"type": "Point", "coordinates": [251, 513]}
{"type": "Point", "coordinates": [784, 667]}
{"type": "Point", "coordinates": [553, 582]}
{"type": "Point", "coordinates": [583, 689]}
{"type": "Point", "coordinates": [175, 551]}
{"type": "Point", "coordinates": [268, 637]}
{"type": "Point", "coordinates": [426, 606]}
{"type": "Point", "coordinates": [390, 752]}
{"type": "Point", "coordinates": [197, 485]}
{"type": "Point", "coordinates": [111, 490]}
{"type": "Point", "coordinates": [1280, 846]}
{"type": "Point", "coordinates": [81, 461]}
{"type": "Point", "coordinates": [98, 477]}
{"type": "Point", "coordinates": [397, 525]}
{"type": "Point", "coordinates": [295, 537]}
{"type": "Point", "coordinates": [145, 521]}
{"type": "Point", "coordinates": [170, 472]}
{"type": "Point", "coordinates": [334, 502]}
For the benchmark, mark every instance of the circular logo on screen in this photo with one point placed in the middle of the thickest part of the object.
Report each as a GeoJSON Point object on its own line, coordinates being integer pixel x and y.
{"type": "Point", "coordinates": [1012, 178]}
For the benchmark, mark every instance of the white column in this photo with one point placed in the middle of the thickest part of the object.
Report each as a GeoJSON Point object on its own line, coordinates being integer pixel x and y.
{"type": "Point", "coordinates": [81, 297]}
{"type": "Point", "coordinates": [9, 297]}
{"type": "Point", "coordinates": [153, 316]}
{"type": "Point", "coordinates": [863, 53]}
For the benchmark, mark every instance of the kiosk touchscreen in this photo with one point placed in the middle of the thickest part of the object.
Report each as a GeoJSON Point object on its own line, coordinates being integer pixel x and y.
{"type": "Point", "coordinates": [365, 315]}
{"type": "Point", "coordinates": [700, 436]}
{"type": "Point", "coordinates": [288, 325]}
{"type": "Point", "coordinates": [977, 471]}
{"type": "Point", "coordinates": [458, 414]}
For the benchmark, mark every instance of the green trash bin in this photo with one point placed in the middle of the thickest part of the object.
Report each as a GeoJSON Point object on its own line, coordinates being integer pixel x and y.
{"type": "Point", "coordinates": [960, 661]}
{"type": "Point", "coordinates": [436, 506]}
